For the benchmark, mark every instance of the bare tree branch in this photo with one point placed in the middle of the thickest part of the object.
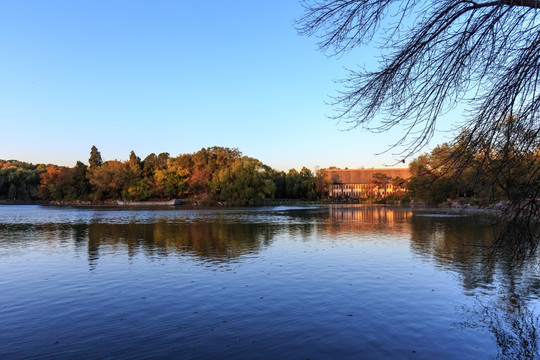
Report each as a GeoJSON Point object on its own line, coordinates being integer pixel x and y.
{"type": "Point", "coordinates": [455, 48]}
{"type": "Point", "coordinates": [437, 54]}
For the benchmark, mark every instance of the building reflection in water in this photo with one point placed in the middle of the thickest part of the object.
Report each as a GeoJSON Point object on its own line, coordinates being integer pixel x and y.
{"type": "Point", "coordinates": [369, 214]}
{"type": "Point", "coordinates": [369, 218]}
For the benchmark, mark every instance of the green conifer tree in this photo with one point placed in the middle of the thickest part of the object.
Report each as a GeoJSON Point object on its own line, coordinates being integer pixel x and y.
{"type": "Point", "coordinates": [95, 158]}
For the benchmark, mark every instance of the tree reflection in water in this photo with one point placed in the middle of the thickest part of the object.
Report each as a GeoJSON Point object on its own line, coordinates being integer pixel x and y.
{"type": "Point", "coordinates": [462, 245]}
{"type": "Point", "coordinates": [468, 249]}
{"type": "Point", "coordinates": [514, 328]}
{"type": "Point", "coordinates": [215, 242]}
{"type": "Point", "coordinates": [223, 240]}
{"type": "Point", "coordinates": [509, 317]}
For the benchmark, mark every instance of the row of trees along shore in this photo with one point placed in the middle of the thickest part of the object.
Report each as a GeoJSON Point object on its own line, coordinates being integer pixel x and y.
{"type": "Point", "coordinates": [225, 175]}
{"type": "Point", "coordinates": [210, 174]}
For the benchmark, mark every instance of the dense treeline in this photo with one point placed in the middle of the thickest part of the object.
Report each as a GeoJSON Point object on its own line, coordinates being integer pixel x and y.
{"type": "Point", "coordinates": [218, 174]}
{"type": "Point", "coordinates": [505, 174]}
{"type": "Point", "coordinates": [19, 180]}
{"type": "Point", "coordinates": [300, 185]}
{"type": "Point", "coordinates": [210, 174]}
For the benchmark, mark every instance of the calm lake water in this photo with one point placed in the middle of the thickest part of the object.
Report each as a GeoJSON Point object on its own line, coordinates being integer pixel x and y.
{"type": "Point", "coordinates": [321, 282]}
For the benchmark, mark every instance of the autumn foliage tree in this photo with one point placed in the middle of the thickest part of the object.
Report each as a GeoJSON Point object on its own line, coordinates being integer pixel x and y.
{"type": "Point", "coordinates": [208, 175]}
{"type": "Point", "coordinates": [245, 182]}
{"type": "Point", "coordinates": [54, 183]}
{"type": "Point", "coordinates": [206, 163]}
{"type": "Point", "coordinates": [172, 181]}
{"type": "Point", "coordinates": [108, 180]}
{"type": "Point", "coordinates": [322, 183]}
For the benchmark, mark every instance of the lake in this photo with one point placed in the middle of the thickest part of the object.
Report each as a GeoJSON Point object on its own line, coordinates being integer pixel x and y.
{"type": "Point", "coordinates": [313, 282]}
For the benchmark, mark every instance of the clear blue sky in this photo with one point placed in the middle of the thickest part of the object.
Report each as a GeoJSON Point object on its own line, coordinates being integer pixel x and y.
{"type": "Point", "coordinates": [172, 76]}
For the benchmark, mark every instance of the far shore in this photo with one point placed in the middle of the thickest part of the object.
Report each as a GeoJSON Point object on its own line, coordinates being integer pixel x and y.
{"type": "Point", "coordinates": [455, 208]}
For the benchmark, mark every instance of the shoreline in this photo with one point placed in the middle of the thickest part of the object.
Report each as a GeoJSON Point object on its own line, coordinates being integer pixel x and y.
{"type": "Point", "coordinates": [494, 209]}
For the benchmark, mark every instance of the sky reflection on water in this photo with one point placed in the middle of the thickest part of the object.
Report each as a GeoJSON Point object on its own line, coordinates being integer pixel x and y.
{"type": "Point", "coordinates": [319, 282]}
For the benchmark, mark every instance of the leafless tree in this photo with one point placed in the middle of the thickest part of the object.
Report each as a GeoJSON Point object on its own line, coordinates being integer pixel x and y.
{"type": "Point", "coordinates": [435, 55]}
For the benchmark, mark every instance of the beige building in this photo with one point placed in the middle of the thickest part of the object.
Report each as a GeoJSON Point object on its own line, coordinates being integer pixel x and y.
{"type": "Point", "coordinates": [361, 182]}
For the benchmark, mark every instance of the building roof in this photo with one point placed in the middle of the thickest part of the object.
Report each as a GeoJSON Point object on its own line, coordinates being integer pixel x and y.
{"type": "Point", "coordinates": [363, 176]}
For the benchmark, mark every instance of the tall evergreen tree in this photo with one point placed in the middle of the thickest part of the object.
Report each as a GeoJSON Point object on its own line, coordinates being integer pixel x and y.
{"type": "Point", "coordinates": [80, 181]}
{"type": "Point", "coordinates": [95, 158]}
{"type": "Point", "coordinates": [134, 161]}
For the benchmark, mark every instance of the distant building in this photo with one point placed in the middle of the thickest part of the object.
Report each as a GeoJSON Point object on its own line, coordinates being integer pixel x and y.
{"type": "Point", "coordinates": [357, 183]}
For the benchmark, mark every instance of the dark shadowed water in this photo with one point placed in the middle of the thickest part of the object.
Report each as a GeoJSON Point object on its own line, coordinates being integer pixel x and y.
{"type": "Point", "coordinates": [322, 282]}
